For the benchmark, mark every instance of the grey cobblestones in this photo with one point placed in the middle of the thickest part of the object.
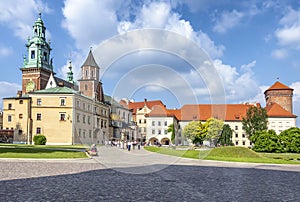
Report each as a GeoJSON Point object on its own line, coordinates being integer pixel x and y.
{"type": "Point", "coordinates": [181, 180]}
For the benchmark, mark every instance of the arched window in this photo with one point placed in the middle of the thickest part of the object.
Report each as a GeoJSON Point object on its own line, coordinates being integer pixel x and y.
{"type": "Point", "coordinates": [85, 87]}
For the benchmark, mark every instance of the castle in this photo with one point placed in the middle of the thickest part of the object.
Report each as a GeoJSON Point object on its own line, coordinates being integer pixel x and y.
{"type": "Point", "coordinates": [69, 112]}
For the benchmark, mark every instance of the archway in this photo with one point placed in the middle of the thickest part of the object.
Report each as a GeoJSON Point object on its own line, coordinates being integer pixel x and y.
{"type": "Point", "coordinates": [165, 141]}
{"type": "Point", "coordinates": [153, 141]}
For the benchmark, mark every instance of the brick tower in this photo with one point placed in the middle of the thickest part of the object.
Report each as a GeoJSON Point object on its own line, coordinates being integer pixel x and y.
{"type": "Point", "coordinates": [89, 84]}
{"type": "Point", "coordinates": [280, 94]}
{"type": "Point", "coordinates": [37, 66]}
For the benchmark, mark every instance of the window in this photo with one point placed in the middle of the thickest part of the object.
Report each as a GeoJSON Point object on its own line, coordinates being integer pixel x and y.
{"type": "Point", "coordinates": [89, 120]}
{"type": "Point", "coordinates": [83, 106]}
{"type": "Point", "coordinates": [236, 135]}
{"type": "Point", "coordinates": [62, 101]}
{"type": "Point", "coordinates": [20, 132]}
{"type": "Point", "coordinates": [86, 73]}
{"type": "Point", "coordinates": [32, 56]}
{"type": "Point", "coordinates": [9, 106]}
{"type": "Point", "coordinates": [38, 101]}
{"type": "Point", "coordinates": [158, 123]}
{"type": "Point", "coordinates": [140, 121]}
{"type": "Point", "coordinates": [236, 143]}
{"type": "Point", "coordinates": [45, 56]}
{"type": "Point", "coordinates": [83, 119]}
{"type": "Point", "coordinates": [85, 87]}
{"type": "Point", "coordinates": [78, 103]}
{"type": "Point", "coordinates": [20, 116]}
{"type": "Point", "coordinates": [159, 132]}
{"type": "Point", "coordinates": [78, 118]}
{"type": "Point", "coordinates": [244, 143]}
{"type": "Point", "coordinates": [105, 124]}
{"type": "Point", "coordinates": [166, 123]}
{"type": "Point", "coordinates": [21, 102]}
{"type": "Point", "coordinates": [236, 127]}
{"type": "Point", "coordinates": [89, 107]}
{"type": "Point", "coordinates": [243, 135]}
{"type": "Point", "coordinates": [90, 133]}
{"type": "Point", "coordinates": [145, 121]}
{"type": "Point", "coordinates": [153, 132]}
{"type": "Point", "coordinates": [166, 132]}
{"type": "Point", "coordinates": [153, 123]}
{"type": "Point", "coordinates": [145, 130]}
{"type": "Point", "coordinates": [9, 118]}
{"type": "Point", "coordinates": [79, 132]}
{"type": "Point", "coordinates": [83, 133]}
{"type": "Point", "coordinates": [38, 116]}
{"type": "Point", "coordinates": [62, 116]}
{"type": "Point", "coordinates": [38, 130]}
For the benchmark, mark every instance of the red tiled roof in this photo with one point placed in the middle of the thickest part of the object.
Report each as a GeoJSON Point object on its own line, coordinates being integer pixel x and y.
{"type": "Point", "coordinates": [202, 112]}
{"type": "Point", "coordinates": [275, 110]}
{"type": "Point", "coordinates": [278, 86]}
{"type": "Point", "coordinates": [134, 106]}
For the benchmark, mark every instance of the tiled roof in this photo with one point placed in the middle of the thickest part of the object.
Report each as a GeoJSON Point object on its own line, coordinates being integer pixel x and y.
{"type": "Point", "coordinates": [134, 106]}
{"type": "Point", "coordinates": [275, 110]}
{"type": "Point", "coordinates": [160, 111]}
{"type": "Point", "coordinates": [202, 112]}
{"type": "Point", "coordinates": [56, 90]}
{"type": "Point", "coordinates": [90, 60]}
{"type": "Point", "coordinates": [278, 86]}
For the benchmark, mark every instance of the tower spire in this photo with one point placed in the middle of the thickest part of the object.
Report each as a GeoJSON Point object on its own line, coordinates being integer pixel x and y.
{"type": "Point", "coordinates": [70, 73]}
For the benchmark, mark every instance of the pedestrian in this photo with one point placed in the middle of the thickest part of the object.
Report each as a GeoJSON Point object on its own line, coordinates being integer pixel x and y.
{"type": "Point", "coordinates": [129, 145]}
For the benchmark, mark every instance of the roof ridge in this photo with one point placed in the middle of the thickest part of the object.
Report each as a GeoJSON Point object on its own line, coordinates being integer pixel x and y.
{"type": "Point", "coordinates": [90, 60]}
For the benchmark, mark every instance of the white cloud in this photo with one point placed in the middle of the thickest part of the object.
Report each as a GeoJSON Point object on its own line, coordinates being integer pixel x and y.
{"type": "Point", "coordinates": [5, 51]}
{"type": "Point", "coordinates": [8, 90]}
{"type": "Point", "coordinates": [279, 53]}
{"type": "Point", "coordinates": [18, 15]}
{"type": "Point", "coordinates": [90, 22]}
{"type": "Point", "coordinates": [289, 32]}
{"type": "Point", "coordinates": [227, 20]}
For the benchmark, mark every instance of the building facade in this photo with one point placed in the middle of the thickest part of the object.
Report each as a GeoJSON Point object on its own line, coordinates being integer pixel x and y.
{"type": "Point", "coordinates": [52, 106]}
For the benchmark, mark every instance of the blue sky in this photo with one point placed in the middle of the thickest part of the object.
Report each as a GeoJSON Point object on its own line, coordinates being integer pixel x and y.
{"type": "Point", "coordinates": [249, 44]}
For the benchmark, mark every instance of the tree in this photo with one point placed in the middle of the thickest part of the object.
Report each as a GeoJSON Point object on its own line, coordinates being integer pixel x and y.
{"type": "Point", "coordinates": [226, 136]}
{"type": "Point", "coordinates": [214, 127]}
{"type": "Point", "coordinates": [195, 131]}
{"type": "Point", "coordinates": [266, 141]}
{"type": "Point", "coordinates": [171, 129]}
{"type": "Point", "coordinates": [256, 120]}
{"type": "Point", "coordinates": [290, 140]}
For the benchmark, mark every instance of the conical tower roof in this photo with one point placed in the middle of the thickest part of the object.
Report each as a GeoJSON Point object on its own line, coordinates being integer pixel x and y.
{"type": "Point", "coordinates": [278, 86]}
{"type": "Point", "coordinates": [90, 60]}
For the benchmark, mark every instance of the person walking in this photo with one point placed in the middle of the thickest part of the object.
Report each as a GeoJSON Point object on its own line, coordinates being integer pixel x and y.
{"type": "Point", "coordinates": [129, 145]}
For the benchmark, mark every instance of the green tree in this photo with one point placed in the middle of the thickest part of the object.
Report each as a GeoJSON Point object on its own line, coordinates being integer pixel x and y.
{"type": "Point", "coordinates": [171, 129]}
{"type": "Point", "coordinates": [266, 141]}
{"type": "Point", "coordinates": [290, 140]}
{"type": "Point", "coordinates": [256, 120]}
{"type": "Point", "coordinates": [214, 128]}
{"type": "Point", "coordinates": [226, 136]}
{"type": "Point", "coordinates": [195, 131]}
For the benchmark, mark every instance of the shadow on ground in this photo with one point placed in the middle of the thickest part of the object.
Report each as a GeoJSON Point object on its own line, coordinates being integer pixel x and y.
{"type": "Point", "coordinates": [174, 183]}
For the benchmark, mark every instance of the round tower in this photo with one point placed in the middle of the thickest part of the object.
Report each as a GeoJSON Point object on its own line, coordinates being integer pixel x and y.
{"type": "Point", "coordinates": [280, 94]}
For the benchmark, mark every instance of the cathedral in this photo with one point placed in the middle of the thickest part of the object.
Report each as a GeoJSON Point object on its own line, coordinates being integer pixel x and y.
{"type": "Point", "coordinates": [62, 110]}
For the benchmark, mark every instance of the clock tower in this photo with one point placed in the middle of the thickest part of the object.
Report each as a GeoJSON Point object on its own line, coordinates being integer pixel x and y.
{"type": "Point", "coordinates": [37, 65]}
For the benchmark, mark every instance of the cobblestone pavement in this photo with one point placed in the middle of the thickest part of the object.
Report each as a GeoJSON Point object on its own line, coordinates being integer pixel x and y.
{"type": "Point", "coordinates": [119, 175]}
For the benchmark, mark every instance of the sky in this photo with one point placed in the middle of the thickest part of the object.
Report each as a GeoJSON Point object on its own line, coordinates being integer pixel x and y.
{"type": "Point", "coordinates": [180, 52]}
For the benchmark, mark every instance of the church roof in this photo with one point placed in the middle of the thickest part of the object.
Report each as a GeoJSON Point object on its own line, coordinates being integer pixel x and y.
{"type": "Point", "coordinates": [56, 90]}
{"type": "Point", "coordinates": [90, 60]}
{"type": "Point", "coordinates": [278, 86]}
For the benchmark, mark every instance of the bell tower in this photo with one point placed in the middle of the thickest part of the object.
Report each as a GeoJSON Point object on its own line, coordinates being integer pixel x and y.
{"type": "Point", "coordinates": [89, 83]}
{"type": "Point", "coordinates": [37, 66]}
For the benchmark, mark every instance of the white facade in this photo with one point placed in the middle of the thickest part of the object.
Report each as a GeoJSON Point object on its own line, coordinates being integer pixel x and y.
{"type": "Point", "coordinates": [157, 129]}
{"type": "Point", "coordinates": [280, 124]}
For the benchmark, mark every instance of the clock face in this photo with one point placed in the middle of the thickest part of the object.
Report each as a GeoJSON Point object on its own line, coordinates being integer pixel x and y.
{"type": "Point", "coordinates": [30, 86]}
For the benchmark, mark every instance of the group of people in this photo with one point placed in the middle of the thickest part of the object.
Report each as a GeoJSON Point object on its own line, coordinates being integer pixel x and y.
{"type": "Point", "coordinates": [124, 144]}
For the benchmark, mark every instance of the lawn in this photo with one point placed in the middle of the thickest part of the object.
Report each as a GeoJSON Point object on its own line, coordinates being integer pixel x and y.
{"type": "Point", "coordinates": [234, 154]}
{"type": "Point", "coordinates": [41, 151]}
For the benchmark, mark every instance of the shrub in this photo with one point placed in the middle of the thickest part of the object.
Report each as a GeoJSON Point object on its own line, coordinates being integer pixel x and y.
{"type": "Point", "coordinates": [39, 139]}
